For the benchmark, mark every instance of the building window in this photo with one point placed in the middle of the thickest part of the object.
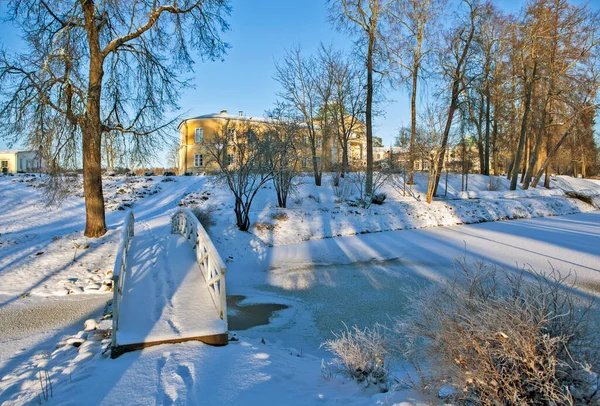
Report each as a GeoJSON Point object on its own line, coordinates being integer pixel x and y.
{"type": "Point", "coordinates": [304, 162]}
{"type": "Point", "coordinates": [305, 140]}
{"type": "Point", "coordinates": [229, 159]}
{"type": "Point", "coordinates": [199, 135]}
{"type": "Point", "coordinates": [252, 137]}
{"type": "Point", "coordinates": [198, 160]}
{"type": "Point", "coordinates": [230, 135]}
{"type": "Point", "coordinates": [319, 143]}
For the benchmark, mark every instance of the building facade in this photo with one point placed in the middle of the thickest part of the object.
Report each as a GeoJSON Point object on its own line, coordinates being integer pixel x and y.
{"type": "Point", "coordinates": [15, 161]}
{"type": "Point", "coordinates": [198, 133]}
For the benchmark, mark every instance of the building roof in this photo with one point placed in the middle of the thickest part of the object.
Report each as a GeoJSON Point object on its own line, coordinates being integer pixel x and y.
{"type": "Point", "coordinates": [15, 151]}
{"type": "Point", "coordinates": [224, 115]}
{"type": "Point", "coordinates": [395, 150]}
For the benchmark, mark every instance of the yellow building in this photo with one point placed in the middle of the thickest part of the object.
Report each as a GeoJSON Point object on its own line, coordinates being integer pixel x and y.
{"type": "Point", "coordinates": [198, 132]}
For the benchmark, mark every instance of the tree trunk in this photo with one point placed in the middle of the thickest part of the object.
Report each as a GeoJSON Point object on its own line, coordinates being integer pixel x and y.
{"type": "Point", "coordinates": [494, 147]}
{"type": "Point", "coordinates": [536, 148]}
{"type": "Point", "coordinates": [540, 172]}
{"type": "Point", "coordinates": [313, 150]}
{"type": "Point", "coordinates": [369, 119]}
{"type": "Point", "coordinates": [547, 178]}
{"type": "Point", "coordinates": [345, 163]}
{"type": "Point", "coordinates": [487, 134]}
{"type": "Point", "coordinates": [525, 157]}
{"type": "Point", "coordinates": [518, 157]}
{"type": "Point", "coordinates": [480, 140]}
{"type": "Point", "coordinates": [413, 124]}
{"type": "Point", "coordinates": [95, 223]}
{"type": "Point", "coordinates": [453, 105]}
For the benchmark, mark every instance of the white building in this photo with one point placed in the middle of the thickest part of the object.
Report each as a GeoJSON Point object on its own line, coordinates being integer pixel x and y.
{"type": "Point", "coordinates": [15, 161]}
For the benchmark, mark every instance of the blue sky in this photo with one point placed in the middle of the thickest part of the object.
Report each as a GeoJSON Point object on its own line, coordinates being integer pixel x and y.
{"type": "Point", "coordinates": [261, 31]}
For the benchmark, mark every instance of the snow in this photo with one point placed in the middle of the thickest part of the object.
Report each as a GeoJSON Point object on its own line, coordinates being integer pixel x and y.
{"type": "Point", "coordinates": [363, 274]}
{"type": "Point", "coordinates": [165, 295]}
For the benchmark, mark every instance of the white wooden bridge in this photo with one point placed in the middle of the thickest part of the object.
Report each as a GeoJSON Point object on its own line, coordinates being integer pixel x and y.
{"type": "Point", "coordinates": [168, 288]}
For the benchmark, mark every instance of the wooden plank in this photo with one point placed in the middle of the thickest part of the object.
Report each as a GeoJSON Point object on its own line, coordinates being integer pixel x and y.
{"type": "Point", "coordinates": [217, 340]}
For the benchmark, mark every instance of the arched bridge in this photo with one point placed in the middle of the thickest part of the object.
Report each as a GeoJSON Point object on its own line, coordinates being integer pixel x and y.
{"type": "Point", "coordinates": [167, 288]}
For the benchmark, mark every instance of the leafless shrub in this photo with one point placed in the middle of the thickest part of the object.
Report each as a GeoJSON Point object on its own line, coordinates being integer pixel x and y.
{"type": "Point", "coordinates": [335, 179]}
{"type": "Point", "coordinates": [205, 216]}
{"type": "Point", "coordinates": [341, 188]}
{"type": "Point", "coordinates": [502, 338]}
{"type": "Point", "coordinates": [359, 180]}
{"type": "Point", "coordinates": [360, 354]}
{"type": "Point", "coordinates": [494, 184]}
{"type": "Point", "coordinates": [398, 181]}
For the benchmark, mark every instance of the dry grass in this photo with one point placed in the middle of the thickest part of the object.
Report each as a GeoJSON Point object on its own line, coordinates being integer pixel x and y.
{"type": "Point", "coordinates": [263, 226]}
{"type": "Point", "coordinates": [280, 216]}
{"type": "Point", "coordinates": [361, 355]}
{"type": "Point", "coordinates": [500, 338]}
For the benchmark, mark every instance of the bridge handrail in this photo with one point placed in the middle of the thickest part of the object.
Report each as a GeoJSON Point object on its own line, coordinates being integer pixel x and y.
{"type": "Point", "coordinates": [213, 268]}
{"type": "Point", "coordinates": [119, 271]}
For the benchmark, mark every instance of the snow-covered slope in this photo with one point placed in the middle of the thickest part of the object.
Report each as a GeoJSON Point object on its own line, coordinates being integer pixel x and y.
{"type": "Point", "coordinates": [319, 280]}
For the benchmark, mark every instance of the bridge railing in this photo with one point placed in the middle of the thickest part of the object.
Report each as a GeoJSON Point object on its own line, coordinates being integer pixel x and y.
{"type": "Point", "coordinates": [119, 271]}
{"type": "Point", "coordinates": [213, 268]}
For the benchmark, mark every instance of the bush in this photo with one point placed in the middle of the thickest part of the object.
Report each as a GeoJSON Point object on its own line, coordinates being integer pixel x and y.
{"type": "Point", "coordinates": [501, 338]}
{"type": "Point", "coordinates": [205, 216]}
{"type": "Point", "coordinates": [148, 173]}
{"type": "Point", "coordinates": [494, 184]}
{"type": "Point", "coordinates": [335, 179]}
{"type": "Point", "coordinates": [168, 173]}
{"type": "Point", "coordinates": [361, 355]}
{"type": "Point", "coordinates": [378, 198]}
{"type": "Point", "coordinates": [341, 189]}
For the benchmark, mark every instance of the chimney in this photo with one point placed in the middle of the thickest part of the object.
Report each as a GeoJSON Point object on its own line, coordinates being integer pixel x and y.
{"type": "Point", "coordinates": [223, 112]}
{"type": "Point", "coordinates": [241, 113]}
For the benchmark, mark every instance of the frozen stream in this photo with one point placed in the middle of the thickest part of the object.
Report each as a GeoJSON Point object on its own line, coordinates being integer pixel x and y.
{"type": "Point", "coordinates": [366, 279]}
{"type": "Point", "coordinates": [35, 321]}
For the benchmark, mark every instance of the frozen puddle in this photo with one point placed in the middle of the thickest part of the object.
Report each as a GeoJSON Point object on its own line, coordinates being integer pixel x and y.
{"type": "Point", "coordinates": [243, 317]}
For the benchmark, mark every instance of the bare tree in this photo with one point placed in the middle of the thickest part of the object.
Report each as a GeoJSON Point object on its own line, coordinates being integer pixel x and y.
{"type": "Point", "coordinates": [459, 43]}
{"type": "Point", "coordinates": [430, 145]}
{"type": "Point", "coordinates": [96, 67]}
{"type": "Point", "coordinates": [244, 163]}
{"type": "Point", "coordinates": [284, 132]}
{"type": "Point", "coordinates": [173, 153]}
{"type": "Point", "coordinates": [412, 32]}
{"type": "Point", "coordinates": [365, 19]}
{"type": "Point", "coordinates": [299, 77]}
{"type": "Point", "coordinates": [567, 38]}
{"type": "Point", "coordinates": [347, 101]}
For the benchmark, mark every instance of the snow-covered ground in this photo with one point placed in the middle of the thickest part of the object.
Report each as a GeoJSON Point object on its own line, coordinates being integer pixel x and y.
{"type": "Point", "coordinates": [361, 277]}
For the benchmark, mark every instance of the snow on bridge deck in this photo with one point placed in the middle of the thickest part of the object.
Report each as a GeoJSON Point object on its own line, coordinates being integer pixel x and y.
{"type": "Point", "coordinates": [165, 296]}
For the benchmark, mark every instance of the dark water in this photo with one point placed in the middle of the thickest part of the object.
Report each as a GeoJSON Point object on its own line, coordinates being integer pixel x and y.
{"type": "Point", "coordinates": [243, 317]}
